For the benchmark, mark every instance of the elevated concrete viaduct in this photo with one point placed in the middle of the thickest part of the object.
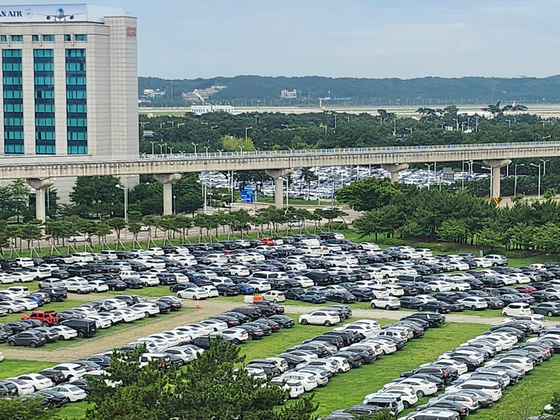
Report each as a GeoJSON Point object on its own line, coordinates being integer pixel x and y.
{"type": "Point", "coordinates": [168, 168]}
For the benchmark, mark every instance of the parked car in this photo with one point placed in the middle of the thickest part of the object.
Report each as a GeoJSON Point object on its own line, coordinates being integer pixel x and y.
{"type": "Point", "coordinates": [325, 318]}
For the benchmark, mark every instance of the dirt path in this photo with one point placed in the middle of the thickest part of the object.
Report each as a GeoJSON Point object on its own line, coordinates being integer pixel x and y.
{"type": "Point", "coordinates": [208, 308]}
{"type": "Point", "coordinates": [119, 338]}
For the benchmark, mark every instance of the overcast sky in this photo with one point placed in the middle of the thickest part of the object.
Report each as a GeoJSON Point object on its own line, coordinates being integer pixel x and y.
{"type": "Point", "coordinates": [186, 39]}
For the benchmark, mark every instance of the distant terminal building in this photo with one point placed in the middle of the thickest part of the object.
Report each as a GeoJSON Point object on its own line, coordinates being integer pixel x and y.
{"type": "Point", "coordinates": [69, 82]}
{"type": "Point", "coordinates": [288, 94]}
{"type": "Point", "coordinates": [207, 108]}
{"type": "Point", "coordinates": [154, 93]}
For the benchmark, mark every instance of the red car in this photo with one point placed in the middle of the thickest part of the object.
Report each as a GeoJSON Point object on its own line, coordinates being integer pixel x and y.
{"type": "Point", "coordinates": [525, 289]}
{"type": "Point", "coordinates": [267, 241]}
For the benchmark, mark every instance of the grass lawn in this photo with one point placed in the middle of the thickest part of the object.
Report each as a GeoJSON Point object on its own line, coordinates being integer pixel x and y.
{"type": "Point", "coordinates": [11, 367]}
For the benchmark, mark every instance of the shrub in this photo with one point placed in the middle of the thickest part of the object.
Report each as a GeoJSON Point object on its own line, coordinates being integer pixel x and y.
{"type": "Point", "coordinates": [394, 242]}
{"type": "Point", "coordinates": [434, 246]}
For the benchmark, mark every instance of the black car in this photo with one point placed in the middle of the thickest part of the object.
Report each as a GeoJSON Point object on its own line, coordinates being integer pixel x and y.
{"type": "Point", "coordinates": [362, 294]}
{"type": "Point", "coordinates": [56, 295]}
{"type": "Point", "coordinates": [410, 302]}
{"type": "Point", "coordinates": [494, 302]}
{"type": "Point", "coordinates": [8, 389]}
{"type": "Point", "coordinates": [254, 331]}
{"type": "Point", "coordinates": [547, 308]}
{"type": "Point", "coordinates": [283, 320]}
{"type": "Point", "coordinates": [164, 307]}
{"type": "Point", "coordinates": [116, 284]}
{"type": "Point", "coordinates": [133, 283]}
{"type": "Point", "coordinates": [435, 306]}
{"type": "Point", "coordinates": [435, 319]}
{"type": "Point", "coordinates": [174, 302]}
{"type": "Point", "coordinates": [241, 317]}
{"type": "Point", "coordinates": [228, 289]}
{"type": "Point", "coordinates": [342, 297]}
{"type": "Point", "coordinates": [294, 293]}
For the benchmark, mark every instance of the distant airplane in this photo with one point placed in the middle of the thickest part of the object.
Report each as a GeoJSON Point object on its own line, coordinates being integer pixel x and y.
{"type": "Point", "coordinates": [59, 15]}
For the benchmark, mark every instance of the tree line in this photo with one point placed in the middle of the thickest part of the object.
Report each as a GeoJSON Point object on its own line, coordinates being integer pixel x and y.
{"type": "Point", "coordinates": [453, 216]}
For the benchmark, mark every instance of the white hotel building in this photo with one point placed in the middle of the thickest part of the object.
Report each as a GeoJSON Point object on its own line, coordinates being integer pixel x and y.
{"type": "Point", "coordinates": [69, 82]}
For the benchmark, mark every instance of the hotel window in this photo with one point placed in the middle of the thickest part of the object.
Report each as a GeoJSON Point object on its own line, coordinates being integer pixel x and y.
{"type": "Point", "coordinates": [48, 38]}
{"type": "Point", "coordinates": [17, 38]}
{"type": "Point", "coordinates": [67, 38]}
{"type": "Point", "coordinates": [80, 37]}
{"type": "Point", "coordinates": [35, 38]}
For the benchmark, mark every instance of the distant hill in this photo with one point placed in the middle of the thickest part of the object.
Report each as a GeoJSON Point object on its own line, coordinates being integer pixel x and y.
{"type": "Point", "coordinates": [426, 90]}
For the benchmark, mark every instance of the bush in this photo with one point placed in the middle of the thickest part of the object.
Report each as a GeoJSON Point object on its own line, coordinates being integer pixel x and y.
{"type": "Point", "coordinates": [434, 246]}
{"type": "Point", "coordinates": [394, 242]}
{"type": "Point", "coordinates": [514, 254]}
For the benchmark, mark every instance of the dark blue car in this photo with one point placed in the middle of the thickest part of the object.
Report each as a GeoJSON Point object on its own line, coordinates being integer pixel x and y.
{"type": "Point", "coordinates": [246, 289]}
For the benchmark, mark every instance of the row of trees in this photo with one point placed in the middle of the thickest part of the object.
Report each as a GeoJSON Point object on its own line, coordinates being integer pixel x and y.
{"type": "Point", "coordinates": [450, 216]}
{"type": "Point", "coordinates": [268, 221]}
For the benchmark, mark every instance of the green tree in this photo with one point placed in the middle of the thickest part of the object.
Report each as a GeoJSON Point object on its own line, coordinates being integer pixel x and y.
{"type": "Point", "coordinates": [117, 224]}
{"type": "Point", "coordinates": [97, 195]}
{"type": "Point", "coordinates": [30, 409]}
{"type": "Point", "coordinates": [208, 387]}
{"type": "Point", "coordinates": [368, 194]}
{"type": "Point", "coordinates": [452, 231]}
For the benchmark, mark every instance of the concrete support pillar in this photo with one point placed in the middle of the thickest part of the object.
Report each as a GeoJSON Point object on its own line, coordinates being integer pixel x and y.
{"type": "Point", "coordinates": [394, 169]}
{"type": "Point", "coordinates": [496, 164]}
{"type": "Point", "coordinates": [278, 175]}
{"type": "Point", "coordinates": [40, 185]}
{"type": "Point", "coordinates": [167, 181]}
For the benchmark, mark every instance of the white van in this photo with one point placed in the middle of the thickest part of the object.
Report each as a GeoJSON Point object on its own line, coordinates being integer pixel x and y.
{"type": "Point", "coordinates": [126, 274]}
{"type": "Point", "coordinates": [155, 251]}
{"type": "Point", "coordinates": [515, 309]}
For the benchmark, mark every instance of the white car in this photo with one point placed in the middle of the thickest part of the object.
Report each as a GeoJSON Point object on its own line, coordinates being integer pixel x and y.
{"type": "Point", "coordinates": [195, 293]}
{"type": "Point", "coordinates": [22, 276]}
{"type": "Point", "coordinates": [386, 303]}
{"type": "Point", "coordinates": [441, 286]}
{"type": "Point", "coordinates": [515, 309]}
{"type": "Point", "coordinates": [307, 380]}
{"type": "Point", "coordinates": [185, 353]}
{"type": "Point", "coordinates": [128, 315]}
{"type": "Point", "coordinates": [181, 335]}
{"type": "Point", "coordinates": [171, 339]}
{"type": "Point", "coordinates": [319, 318]}
{"type": "Point", "coordinates": [365, 330]}
{"type": "Point", "coordinates": [37, 380]}
{"type": "Point", "coordinates": [98, 286]}
{"type": "Point", "coordinates": [23, 387]}
{"type": "Point", "coordinates": [78, 287]}
{"type": "Point", "coordinates": [274, 296]}
{"type": "Point", "coordinates": [482, 262]}
{"type": "Point", "coordinates": [11, 306]}
{"type": "Point", "coordinates": [211, 290]}
{"type": "Point", "coordinates": [215, 324]}
{"type": "Point", "coordinates": [491, 388]}
{"type": "Point", "coordinates": [232, 335]}
{"type": "Point", "coordinates": [71, 370]}
{"type": "Point", "coordinates": [72, 392]}
{"type": "Point", "coordinates": [28, 304]}
{"type": "Point", "coordinates": [153, 344]}
{"type": "Point", "coordinates": [149, 309]}
{"type": "Point", "coordinates": [6, 278]}
{"type": "Point", "coordinates": [1, 356]}
{"type": "Point", "coordinates": [239, 270]}
{"type": "Point", "coordinates": [461, 367]}
{"type": "Point", "coordinates": [149, 280]}
{"type": "Point", "coordinates": [117, 303]}
{"type": "Point", "coordinates": [294, 387]}
{"type": "Point", "coordinates": [100, 322]}
{"type": "Point", "coordinates": [64, 332]}
{"type": "Point", "coordinates": [386, 346]}
{"type": "Point", "coordinates": [259, 285]}
{"type": "Point", "coordinates": [473, 303]}
{"type": "Point", "coordinates": [113, 317]}
{"type": "Point", "coordinates": [303, 281]}
{"type": "Point", "coordinates": [373, 324]}
{"type": "Point", "coordinates": [420, 386]}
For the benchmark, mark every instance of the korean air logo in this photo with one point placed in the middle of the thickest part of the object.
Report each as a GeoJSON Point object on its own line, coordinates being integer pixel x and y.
{"type": "Point", "coordinates": [28, 14]}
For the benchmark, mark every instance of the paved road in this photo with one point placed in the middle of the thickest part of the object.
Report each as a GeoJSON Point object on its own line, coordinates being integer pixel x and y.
{"type": "Point", "coordinates": [208, 308]}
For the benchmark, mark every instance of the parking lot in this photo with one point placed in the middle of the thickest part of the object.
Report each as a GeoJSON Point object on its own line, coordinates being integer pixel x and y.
{"type": "Point", "coordinates": [316, 272]}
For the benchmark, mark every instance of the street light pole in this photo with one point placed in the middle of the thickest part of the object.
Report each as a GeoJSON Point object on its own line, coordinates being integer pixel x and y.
{"type": "Point", "coordinates": [539, 180]}
{"type": "Point", "coordinates": [125, 189]}
{"type": "Point", "coordinates": [429, 165]}
{"type": "Point", "coordinates": [544, 165]}
{"type": "Point", "coordinates": [515, 179]}
{"type": "Point", "coordinates": [246, 130]}
{"type": "Point", "coordinates": [194, 144]}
